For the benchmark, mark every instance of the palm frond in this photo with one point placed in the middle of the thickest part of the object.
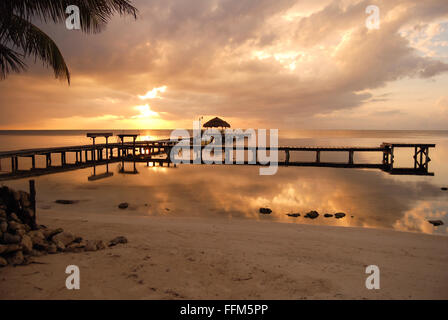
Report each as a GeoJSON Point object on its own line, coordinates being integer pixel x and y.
{"type": "Point", "coordinates": [10, 61]}
{"type": "Point", "coordinates": [94, 14]}
{"type": "Point", "coordinates": [35, 43]}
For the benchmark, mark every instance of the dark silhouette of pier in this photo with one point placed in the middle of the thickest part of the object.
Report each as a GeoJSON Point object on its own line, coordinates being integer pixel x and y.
{"type": "Point", "coordinates": [157, 152]}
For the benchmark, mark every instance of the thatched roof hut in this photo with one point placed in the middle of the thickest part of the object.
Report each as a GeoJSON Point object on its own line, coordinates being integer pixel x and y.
{"type": "Point", "coordinates": [216, 123]}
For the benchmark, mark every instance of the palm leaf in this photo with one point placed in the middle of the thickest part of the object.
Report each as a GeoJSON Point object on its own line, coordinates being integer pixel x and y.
{"type": "Point", "coordinates": [10, 61]}
{"type": "Point", "coordinates": [94, 14]}
{"type": "Point", "coordinates": [34, 42]}
{"type": "Point", "coordinates": [17, 31]}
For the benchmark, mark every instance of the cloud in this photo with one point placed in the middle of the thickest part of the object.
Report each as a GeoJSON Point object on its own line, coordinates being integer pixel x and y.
{"type": "Point", "coordinates": [273, 62]}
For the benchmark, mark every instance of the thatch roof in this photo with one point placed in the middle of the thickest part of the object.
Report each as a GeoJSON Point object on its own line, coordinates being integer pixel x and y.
{"type": "Point", "coordinates": [216, 123]}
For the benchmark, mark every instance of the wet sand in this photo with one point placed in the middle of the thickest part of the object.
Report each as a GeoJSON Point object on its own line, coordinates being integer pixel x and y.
{"type": "Point", "coordinates": [199, 258]}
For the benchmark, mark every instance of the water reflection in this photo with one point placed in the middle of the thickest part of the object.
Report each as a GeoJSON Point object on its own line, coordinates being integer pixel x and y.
{"type": "Point", "coordinates": [374, 198]}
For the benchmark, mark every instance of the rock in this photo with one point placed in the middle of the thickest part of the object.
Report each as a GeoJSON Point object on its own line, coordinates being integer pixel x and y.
{"type": "Point", "coordinates": [294, 215]}
{"type": "Point", "coordinates": [13, 248]}
{"type": "Point", "coordinates": [100, 245]}
{"type": "Point", "coordinates": [11, 238]}
{"type": "Point", "coordinates": [3, 262]}
{"type": "Point", "coordinates": [2, 214]}
{"type": "Point", "coordinates": [39, 244]}
{"type": "Point", "coordinates": [117, 240]}
{"type": "Point", "coordinates": [37, 253]}
{"type": "Point", "coordinates": [123, 205]}
{"type": "Point", "coordinates": [91, 245]}
{"type": "Point", "coordinates": [36, 234]}
{"type": "Point", "coordinates": [52, 248]}
{"type": "Point", "coordinates": [77, 239]}
{"type": "Point", "coordinates": [27, 244]}
{"type": "Point", "coordinates": [265, 211]}
{"type": "Point", "coordinates": [312, 215]}
{"type": "Point", "coordinates": [24, 199]}
{"type": "Point", "coordinates": [50, 233]}
{"type": "Point", "coordinates": [444, 189]}
{"type": "Point", "coordinates": [15, 226]}
{"type": "Point", "coordinates": [59, 245]}
{"type": "Point", "coordinates": [327, 215]}
{"type": "Point", "coordinates": [14, 217]}
{"type": "Point", "coordinates": [67, 201]}
{"type": "Point", "coordinates": [3, 226]}
{"type": "Point", "coordinates": [16, 258]}
{"type": "Point", "coordinates": [65, 237]}
{"type": "Point", "coordinates": [436, 223]}
{"type": "Point", "coordinates": [15, 195]}
{"type": "Point", "coordinates": [75, 247]}
{"type": "Point", "coordinates": [3, 248]}
{"type": "Point", "coordinates": [339, 215]}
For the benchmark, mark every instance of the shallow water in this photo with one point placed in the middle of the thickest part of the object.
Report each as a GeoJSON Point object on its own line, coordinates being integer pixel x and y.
{"type": "Point", "coordinates": [370, 198]}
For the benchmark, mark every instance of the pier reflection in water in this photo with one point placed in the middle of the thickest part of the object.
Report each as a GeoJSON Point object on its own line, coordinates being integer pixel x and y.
{"type": "Point", "coordinates": [374, 198]}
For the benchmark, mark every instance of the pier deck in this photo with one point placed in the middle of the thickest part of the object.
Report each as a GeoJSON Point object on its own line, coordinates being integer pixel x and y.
{"type": "Point", "coordinates": [158, 151]}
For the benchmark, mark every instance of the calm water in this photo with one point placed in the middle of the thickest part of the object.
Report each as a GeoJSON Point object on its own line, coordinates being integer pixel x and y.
{"type": "Point", "coordinates": [375, 199]}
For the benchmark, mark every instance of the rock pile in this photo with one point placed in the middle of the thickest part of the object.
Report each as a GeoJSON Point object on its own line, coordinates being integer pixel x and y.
{"type": "Point", "coordinates": [314, 214]}
{"type": "Point", "coordinates": [21, 238]}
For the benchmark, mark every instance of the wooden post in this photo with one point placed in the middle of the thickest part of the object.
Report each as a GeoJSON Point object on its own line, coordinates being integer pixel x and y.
{"type": "Point", "coordinates": [33, 162]}
{"type": "Point", "coordinates": [93, 151]}
{"type": "Point", "coordinates": [415, 157]}
{"type": "Point", "coordinates": [33, 198]}
{"type": "Point", "coordinates": [107, 151]}
{"type": "Point", "coordinates": [317, 156]}
{"type": "Point", "coordinates": [350, 157]}
{"type": "Point", "coordinates": [287, 156]}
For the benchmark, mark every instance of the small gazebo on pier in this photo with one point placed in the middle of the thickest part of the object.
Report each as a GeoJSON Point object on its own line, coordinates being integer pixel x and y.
{"type": "Point", "coordinates": [216, 123]}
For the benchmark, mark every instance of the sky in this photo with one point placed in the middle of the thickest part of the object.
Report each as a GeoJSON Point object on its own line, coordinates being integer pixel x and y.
{"type": "Point", "coordinates": [285, 64]}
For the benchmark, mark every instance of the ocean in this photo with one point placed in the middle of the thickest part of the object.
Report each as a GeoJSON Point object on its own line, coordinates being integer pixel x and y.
{"type": "Point", "coordinates": [369, 198]}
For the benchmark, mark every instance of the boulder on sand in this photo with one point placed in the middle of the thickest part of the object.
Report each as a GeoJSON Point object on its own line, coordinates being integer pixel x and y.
{"type": "Point", "coordinates": [63, 201]}
{"type": "Point", "coordinates": [339, 215]}
{"type": "Point", "coordinates": [16, 258]}
{"type": "Point", "coordinates": [312, 215]}
{"type": "Point", "coordinates": [11, 238]}
{"type": "Point", "coordinates": [265, 211]}
{"type": "Point", "coordinates": [27, 244]}
{"type": "Point", "coordinates": [117, 240]}
{"type": "Point", "coordinates": [294, 215]}
{"type": "Point", "coordinates": [328, 215]}
{"type": "Point", "coordinates": [436, 223]}
{"type": "Point", "coordinates": [65, 237]}
{"type": "Point", "coordinates": [123, 205]}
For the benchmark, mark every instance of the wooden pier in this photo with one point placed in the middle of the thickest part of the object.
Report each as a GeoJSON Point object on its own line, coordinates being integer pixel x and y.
{"type": "Point", "coordinates": [158, 151]}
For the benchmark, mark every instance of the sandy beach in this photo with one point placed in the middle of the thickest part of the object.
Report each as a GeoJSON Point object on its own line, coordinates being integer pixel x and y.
{"type": "Point", "coordinates": [200, 258]}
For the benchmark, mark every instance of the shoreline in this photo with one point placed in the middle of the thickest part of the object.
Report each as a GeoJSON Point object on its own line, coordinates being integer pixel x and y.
{"type": "Point", "coordinates": [201, 258]}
